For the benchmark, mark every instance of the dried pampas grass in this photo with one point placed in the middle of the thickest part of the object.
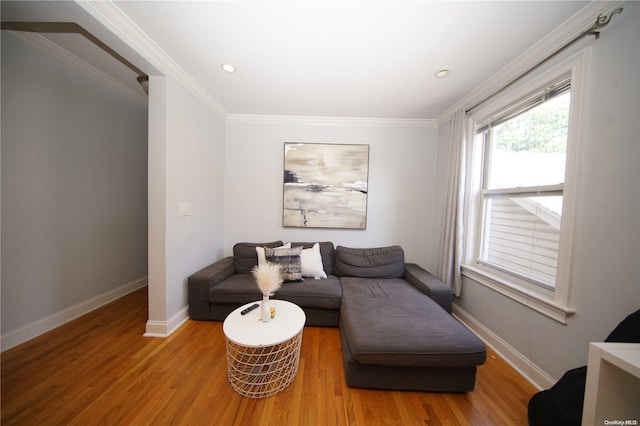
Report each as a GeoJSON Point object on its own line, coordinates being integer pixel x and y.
{"type": "Point", "coordinates": [268, 277]}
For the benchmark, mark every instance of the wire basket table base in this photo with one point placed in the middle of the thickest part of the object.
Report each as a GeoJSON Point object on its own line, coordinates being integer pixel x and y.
{"type": "Point", "coordinates": [259, 372]}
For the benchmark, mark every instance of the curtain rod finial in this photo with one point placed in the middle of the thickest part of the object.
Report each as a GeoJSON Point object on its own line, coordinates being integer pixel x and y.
{"type": "Point", "coordinates": [143, 80]}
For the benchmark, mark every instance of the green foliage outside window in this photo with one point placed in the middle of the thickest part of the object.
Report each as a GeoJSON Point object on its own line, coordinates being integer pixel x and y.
{"type": "Point", "coordinates": [550, 121]}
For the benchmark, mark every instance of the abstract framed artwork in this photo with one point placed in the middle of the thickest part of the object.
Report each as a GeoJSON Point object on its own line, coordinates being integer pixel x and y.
{"type": "Point", "coordinates": [325, 185]}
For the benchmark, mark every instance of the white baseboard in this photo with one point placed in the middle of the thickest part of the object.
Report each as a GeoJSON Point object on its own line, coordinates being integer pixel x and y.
{"type": "Point", "coordinates": [534, 374]}
{"type": "Point", "coordinates": [165, 328]}
{"type": "Point", "coordinates": [20, 335]}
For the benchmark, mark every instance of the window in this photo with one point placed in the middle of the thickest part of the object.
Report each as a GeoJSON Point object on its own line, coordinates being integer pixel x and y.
{"type": "Point", "coordinates": [525, 148]}
{"type": "Point", "coordinates": [520, 195]}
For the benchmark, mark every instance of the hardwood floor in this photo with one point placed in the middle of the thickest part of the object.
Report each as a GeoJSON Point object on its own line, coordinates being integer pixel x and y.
{"type": "Point", "coordinates": [99, 369]}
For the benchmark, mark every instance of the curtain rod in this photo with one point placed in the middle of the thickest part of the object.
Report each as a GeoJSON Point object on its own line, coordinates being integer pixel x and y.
{"type": "Point", "coordinates": [73, 28]}
{"type": "Point", "coordinates": [601, 21]}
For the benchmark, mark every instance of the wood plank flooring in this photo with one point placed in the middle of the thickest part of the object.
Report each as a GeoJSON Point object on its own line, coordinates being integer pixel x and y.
{"type": "Point", "coordinates": [100, 370]}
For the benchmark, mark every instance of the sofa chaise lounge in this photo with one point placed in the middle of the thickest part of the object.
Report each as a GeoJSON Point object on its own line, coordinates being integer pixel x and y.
{"type": "Point", "coordinates": [395, 319]}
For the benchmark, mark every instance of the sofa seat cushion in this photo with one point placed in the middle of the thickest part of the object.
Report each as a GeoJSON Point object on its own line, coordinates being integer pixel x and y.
{"type": "Point", "coordinates": [390, 322]}
{"type": "Point", "coordinates": [239, 289]}
{"type": "Point", "coordinates": [325, 293]}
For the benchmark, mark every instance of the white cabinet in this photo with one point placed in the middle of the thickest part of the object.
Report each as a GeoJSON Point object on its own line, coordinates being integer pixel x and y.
{"type": "Point", "coordinates": [612, 393]}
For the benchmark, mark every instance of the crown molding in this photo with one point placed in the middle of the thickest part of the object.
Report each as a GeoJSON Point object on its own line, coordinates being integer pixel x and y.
{"type": "Point", "coordinates": [112, 17]}
{"type": "Point", "coordinates": [330, 121]}
{"type": "Point", "coordinates": [557, 38]}
{"type": "Point", "coordinates": [116, 21]}
{"type": "Point", "coordinates": [53, 49]}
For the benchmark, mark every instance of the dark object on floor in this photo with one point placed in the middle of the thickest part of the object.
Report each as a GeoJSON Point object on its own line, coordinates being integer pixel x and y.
{"type": "Point", "coordinates": [563, 403]}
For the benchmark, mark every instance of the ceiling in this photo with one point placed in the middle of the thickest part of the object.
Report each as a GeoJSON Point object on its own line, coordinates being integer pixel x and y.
{"type": "Point", "coordinates": [373, 59]}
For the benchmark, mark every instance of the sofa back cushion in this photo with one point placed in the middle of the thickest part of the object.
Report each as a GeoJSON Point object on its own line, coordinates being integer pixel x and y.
{"type": "Point", "coordinates": [245, 256]}
{"type": "Point", "coordinates": [326, 251]}
{"type": "Point", "coordinates": [380, 262]}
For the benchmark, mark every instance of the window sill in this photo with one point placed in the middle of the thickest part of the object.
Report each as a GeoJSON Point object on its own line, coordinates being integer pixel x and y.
{"type": "Point", "coordinates": [536, 299]}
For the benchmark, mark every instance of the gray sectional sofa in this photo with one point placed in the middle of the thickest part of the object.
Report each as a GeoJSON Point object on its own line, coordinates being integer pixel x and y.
{"type": "Point", "coordinates": [395, 319]}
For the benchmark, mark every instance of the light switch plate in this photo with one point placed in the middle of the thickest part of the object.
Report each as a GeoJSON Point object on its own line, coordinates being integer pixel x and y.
{"type": "Point", "coordinates": [184, 209]}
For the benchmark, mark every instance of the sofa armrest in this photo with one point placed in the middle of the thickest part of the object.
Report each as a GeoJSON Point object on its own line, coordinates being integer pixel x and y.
{"type": "Point", "coordinates": [200, 282]}
{"type": "Point", "coordinates": [424, 281]}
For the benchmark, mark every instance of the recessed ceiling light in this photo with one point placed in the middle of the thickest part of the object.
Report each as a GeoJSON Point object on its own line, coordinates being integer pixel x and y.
{"type": "Point", "coordinates": [229, 68]}
{"type": "Point", "coordinates": [442, 73]}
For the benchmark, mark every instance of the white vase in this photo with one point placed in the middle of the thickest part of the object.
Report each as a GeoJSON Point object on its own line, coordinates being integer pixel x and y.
{"type": "Point", "coordinates": [265, 309]}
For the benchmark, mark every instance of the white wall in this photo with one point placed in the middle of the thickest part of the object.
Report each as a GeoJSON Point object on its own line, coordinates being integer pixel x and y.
{"type": "Point", "coordinates": [606, 265]}
{"type": "Point", "coordinates": [186, 165]}
{"type": "Point", "coordinates": [74, 196]}
{"type": "Point", "coordinates": [401, 183]}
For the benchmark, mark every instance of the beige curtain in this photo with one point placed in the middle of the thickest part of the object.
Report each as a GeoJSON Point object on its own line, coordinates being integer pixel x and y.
{"type": "Point", "coordinates": [452, 227]}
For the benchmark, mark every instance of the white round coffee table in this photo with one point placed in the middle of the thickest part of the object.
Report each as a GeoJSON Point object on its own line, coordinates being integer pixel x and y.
{"type": "Point", "coordinates": [262, 358]}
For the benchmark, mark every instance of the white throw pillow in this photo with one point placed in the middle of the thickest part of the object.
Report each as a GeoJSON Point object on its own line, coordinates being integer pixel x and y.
{"type": "Point", "coordinates": [311, 261]}
{"type": "Point", "coordinates": [262, 258]}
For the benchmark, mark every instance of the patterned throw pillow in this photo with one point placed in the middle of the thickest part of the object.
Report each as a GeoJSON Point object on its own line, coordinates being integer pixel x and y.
{"type": "Point", "coordinates": [262, 257]}
{"type": "Point", "coordinates": [289, 261]}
